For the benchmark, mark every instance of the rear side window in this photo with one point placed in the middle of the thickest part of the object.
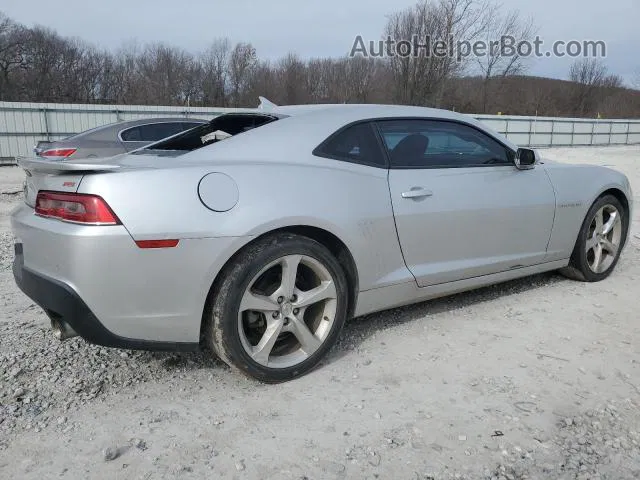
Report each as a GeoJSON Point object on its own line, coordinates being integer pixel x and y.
{"type": "Point", "coordinates": [356, 144]}
{"type": "Point", "coordinates": [155, 131]}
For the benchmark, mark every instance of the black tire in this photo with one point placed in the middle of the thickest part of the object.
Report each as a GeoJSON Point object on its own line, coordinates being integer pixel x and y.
{"type": "Point", "coordinates": [221, 332]}
{"type": "Point", "coordinates": [578, 268]}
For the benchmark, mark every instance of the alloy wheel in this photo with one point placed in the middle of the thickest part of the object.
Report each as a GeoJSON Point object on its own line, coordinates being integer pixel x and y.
{"type": "Point", "coordinates": [604, 238]}
{"type": "Point", "coordinates": [287, 311]}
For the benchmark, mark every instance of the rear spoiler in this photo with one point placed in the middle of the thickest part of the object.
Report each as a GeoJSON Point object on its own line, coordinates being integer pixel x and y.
{"type": "Point", "coordinates": [57, 166]}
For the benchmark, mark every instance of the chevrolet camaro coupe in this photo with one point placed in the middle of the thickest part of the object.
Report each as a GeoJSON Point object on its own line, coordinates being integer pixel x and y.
{"type": "Point", "coordinates": [258, 234]}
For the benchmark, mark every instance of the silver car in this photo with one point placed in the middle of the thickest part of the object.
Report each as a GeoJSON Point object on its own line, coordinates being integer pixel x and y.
{"type": "Point", "coordinates": [258, 235]}
{"type": "Point", "coordinates": [115, 138]}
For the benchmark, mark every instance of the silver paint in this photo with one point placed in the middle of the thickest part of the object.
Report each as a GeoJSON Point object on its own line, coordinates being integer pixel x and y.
{"type": "Point", "coordinates": [476, 227]}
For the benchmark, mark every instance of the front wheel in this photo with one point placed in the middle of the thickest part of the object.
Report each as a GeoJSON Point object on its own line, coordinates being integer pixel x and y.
{"type": "Point", "coordinates": [278, 308]}
{"type": "Point", "coordinates": [600, 241]}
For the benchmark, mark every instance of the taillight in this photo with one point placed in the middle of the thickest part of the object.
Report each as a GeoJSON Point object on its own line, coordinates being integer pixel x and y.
{"type": "Point", "coordinates": [76, 208]}
{"type": "Point", "coordinates": [58, 153]}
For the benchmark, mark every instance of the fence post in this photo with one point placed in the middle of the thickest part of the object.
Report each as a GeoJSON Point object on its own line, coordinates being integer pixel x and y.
{"type": "Point", "coordinates": [610, 131]}
{"type": "Point", "coordinates": [626, 142]}
{"type": "Point", "coordinates": [535, 124]}
{"type": "Point", "coordinates": [46, 123]}
{"type": "Point", "coordinates": [553, 125]}
{"type": "Point", "coordinates": [593, 129]}
{"type": "Point", "coordinates": [573, 134]}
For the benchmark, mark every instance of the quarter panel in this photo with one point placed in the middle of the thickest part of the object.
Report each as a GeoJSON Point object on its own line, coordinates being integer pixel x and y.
{"type": "Point", "coordinates": [350, 201]}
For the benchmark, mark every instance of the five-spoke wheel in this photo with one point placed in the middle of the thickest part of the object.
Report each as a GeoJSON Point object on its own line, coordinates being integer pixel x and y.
{"type": "Point", "coordinates": [604, 238]}
{"type": "Point", "coordinates": [278, 308]}
{"type": "Point", "coordinates": [287, 311]}
{"type": "Point", "coordinates": [600, 241]}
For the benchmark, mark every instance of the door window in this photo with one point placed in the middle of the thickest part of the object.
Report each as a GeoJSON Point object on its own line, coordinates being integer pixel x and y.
{"type": "Point", "coordinates": [439, 144]}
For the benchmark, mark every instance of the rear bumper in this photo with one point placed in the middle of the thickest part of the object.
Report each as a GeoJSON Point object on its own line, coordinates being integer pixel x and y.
{"type": "Point", "coordinates": [61, 300]}
{"type": "Point", "coordinates": [129, 297]}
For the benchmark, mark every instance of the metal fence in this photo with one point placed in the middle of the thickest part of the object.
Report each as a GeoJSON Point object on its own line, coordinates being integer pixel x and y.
{"type": "Point", "coordinates": [564, 132]}
{"type": "Point", "coordinates": [22, 125]}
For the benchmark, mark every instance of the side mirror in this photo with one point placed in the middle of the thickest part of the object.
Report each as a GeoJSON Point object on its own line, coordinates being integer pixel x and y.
{"type": "Point", "coordinates": [525, 159]}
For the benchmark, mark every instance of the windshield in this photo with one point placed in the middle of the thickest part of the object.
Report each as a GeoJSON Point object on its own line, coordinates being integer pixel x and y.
{"type": "Point", "coordinates": [216, 130]}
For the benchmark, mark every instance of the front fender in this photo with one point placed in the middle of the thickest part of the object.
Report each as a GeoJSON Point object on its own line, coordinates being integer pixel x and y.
{"type": "Point", "coordinates": [577, 187]}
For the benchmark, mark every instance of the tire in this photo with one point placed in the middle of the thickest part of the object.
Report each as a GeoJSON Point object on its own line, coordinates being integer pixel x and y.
{"type": "Point", "coordinates": [584, 265]}
{"type": "Point", "coordinates": [251, 326]}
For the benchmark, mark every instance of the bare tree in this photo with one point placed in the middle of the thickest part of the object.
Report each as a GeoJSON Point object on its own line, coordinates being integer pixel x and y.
{"type": "Point", "coordinates": [499, 61]}
{"type": "Point", "coordinates": [292, 80]}
{"type": "Point", "coordinates": [318, 79]}
{"type": "Point", "coordinates": [420, 79]}
{"type": "Point", "coordinates": [613, 81]}
{"type": "Point", "coordinates": [589, 71]}
{"type": "Point", "coordinates": [12, 43]}
{"type": "Point", "coordinates": [242, 60]}
{"type": "Point", "coordinates": [168, 73]}
{"type": "Point", "coordinates": [590, 75]}
{"type": "Point", "coordinates": [636, 80]}
{"type": "Point", "coordinates": [39, 65]}
{"type": "Point", "coordinates": [122, 83]}
{"type": "Point", "coordinates": [214, 73]}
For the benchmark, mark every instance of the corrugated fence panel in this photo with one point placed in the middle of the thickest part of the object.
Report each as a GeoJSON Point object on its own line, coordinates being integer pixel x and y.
{"type": "Point", "coordinates": [548, 132]}
{"type": "Point", "coordinates": [22, 125]}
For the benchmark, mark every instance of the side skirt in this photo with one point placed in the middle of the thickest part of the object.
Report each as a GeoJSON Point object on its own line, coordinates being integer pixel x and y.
{"type": "Point", "coordinates": [393, 296]}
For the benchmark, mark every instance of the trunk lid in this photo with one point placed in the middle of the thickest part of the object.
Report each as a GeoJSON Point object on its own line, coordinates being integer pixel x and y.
{"type": "Point", "coordinates": [57, 176]}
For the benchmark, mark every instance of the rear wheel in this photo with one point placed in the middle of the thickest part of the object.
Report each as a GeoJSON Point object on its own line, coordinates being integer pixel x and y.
{"type": "Point", "coordinates": [600, 241]}
{"type": "Point", "coordinates": [278, 308]}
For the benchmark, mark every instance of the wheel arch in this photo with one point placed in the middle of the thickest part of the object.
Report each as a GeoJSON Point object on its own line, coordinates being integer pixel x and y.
{"type": "Point", "coordinates": [326, 238]}
{"type": "Point", "coordinates": [614, 190]}
{"type": "Point", "coordinates": [620, 196]}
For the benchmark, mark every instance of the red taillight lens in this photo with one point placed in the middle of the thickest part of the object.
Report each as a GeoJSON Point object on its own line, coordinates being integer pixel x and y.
{"type": "Point", "coordinates": [58, 153]}
{"type": "Point", "coordinates": [75, 207]}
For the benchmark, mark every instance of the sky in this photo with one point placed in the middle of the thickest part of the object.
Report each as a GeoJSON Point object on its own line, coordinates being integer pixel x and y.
{"type": "Point", "coordinates": [325, 28]}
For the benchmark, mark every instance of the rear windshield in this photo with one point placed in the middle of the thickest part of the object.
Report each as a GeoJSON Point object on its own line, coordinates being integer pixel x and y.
{"type": "Point", "coordinates": [216, 130]}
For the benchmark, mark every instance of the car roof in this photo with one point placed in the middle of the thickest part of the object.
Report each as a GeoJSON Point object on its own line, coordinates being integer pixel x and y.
{"type": "Point", "coordinates": [307, 126]}
{"type": "Point", "coordinates": [345, 114]}
{"type": "Point", "coordinates": [364, 109]}
{"type": "Point", "coordinates": [355, 112]}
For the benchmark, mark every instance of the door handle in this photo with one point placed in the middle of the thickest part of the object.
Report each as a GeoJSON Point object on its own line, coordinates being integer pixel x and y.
{"type": "Point", "coordinates": [417, 193]}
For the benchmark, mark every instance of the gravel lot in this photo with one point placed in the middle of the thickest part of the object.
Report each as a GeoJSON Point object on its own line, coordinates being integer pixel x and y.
{"type": "Point", "coordinates": [537, 378]}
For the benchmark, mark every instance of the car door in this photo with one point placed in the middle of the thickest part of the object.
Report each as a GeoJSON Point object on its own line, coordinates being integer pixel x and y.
{"type": "Point", "coordinates": [462, 208]}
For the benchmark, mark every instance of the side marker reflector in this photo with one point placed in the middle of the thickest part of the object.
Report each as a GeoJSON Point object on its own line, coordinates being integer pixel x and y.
{"type": "Point", "coordinates": [157, 243]}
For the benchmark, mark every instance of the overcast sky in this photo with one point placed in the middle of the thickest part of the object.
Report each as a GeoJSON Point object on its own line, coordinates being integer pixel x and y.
{"type": "Point", "coordinates": [317, 28]}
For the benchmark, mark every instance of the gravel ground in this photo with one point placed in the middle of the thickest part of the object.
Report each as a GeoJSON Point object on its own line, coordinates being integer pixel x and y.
{"type": "Point", "coordinates": [537, 378]}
